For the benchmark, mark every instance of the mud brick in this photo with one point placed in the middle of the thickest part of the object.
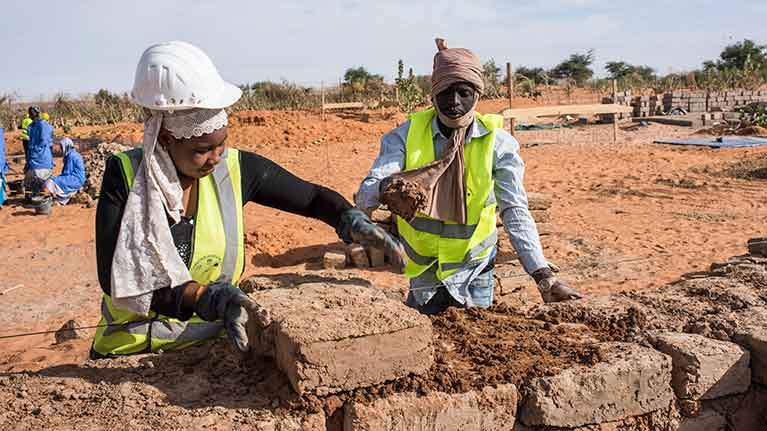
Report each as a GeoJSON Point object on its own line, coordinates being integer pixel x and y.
{"type": "Point", "coordinates": [358, 256]}
{"type": "Point", "coordinates": [757, 246]}
{"type": "Point", "coordinates": [751, 333]}
{"type": "Point", "coordinates": [329, 338]}
{"type": "Point", "coordinates": [541, 216]}
{"type": "Point", "coordinates": [751, 413]}
{"type": "Point", "coordinates": [703, 368]}
{"type": "Point", "coordinates": [538, 201]}
{"type": "Point", "coordinates": [377, 257]}
{"type": "Point", "coordinates": [709, 420]}
{"type": "Point", "coordinates": [487, 410]}
{"type": "Point", "coordinates": [334, 259]}
{"type": "Point", "coordinates": [632, 381]}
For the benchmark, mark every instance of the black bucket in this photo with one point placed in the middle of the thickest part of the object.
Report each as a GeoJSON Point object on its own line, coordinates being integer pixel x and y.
{"type": "Point", "coordinates": [43, 205]}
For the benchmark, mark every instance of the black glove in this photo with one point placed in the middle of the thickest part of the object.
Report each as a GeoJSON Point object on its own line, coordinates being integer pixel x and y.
{"type": "Point", "coordinates": [357, 227]}
{"type": "Point", "coordinates": [552, 289]}
{"type": "Point", "coordinates": [242, 317]}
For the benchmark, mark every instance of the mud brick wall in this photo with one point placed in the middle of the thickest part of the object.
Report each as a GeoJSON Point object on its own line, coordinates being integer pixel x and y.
{"type": "Point", "coordinates": [702, 101]}
{"type": "Point", "coordinates": [688, 369]}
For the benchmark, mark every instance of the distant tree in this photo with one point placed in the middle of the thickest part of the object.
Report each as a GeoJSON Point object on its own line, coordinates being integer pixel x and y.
{"type": "Point", "coordinates": [424, 83]}
{"type": "Point", "coordinates": [577, 68]}
{"type": "Point", "coordinates": [361, 81]}
{"type": "Point", "coordinates": [739, 55]}
{"type": "Point", "coordinates": [491, 74]}
{"type": "Point", "coordinates": [537, 75]}
{"type": "Point", "coordinates": [105, 98]}
{"type": "Point", "coordinates": [621, 70]}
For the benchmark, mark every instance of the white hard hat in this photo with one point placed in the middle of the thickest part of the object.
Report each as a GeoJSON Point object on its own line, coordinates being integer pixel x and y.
{"type": "Point", "coordinates": [178, 75]}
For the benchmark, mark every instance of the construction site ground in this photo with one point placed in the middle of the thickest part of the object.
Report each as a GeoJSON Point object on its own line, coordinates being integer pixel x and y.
{"type": "Point", "coordinates": [627, 216]}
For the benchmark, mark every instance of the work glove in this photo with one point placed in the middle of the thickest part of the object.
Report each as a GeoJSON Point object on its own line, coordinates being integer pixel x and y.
{"type": "Point", "coordinates": [243, 319]}
{"type": "Point", "coordinates": [552, 289]}
{"type": "Point", "coordinates": [356, 227]}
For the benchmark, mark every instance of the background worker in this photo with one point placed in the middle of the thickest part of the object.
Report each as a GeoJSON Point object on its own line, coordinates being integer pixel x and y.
{"type": "Point", "coordinates": [39, 157]}
{"type": "Point", "coordinates": [72, 177]}
{"type": "Point", "coordinates": [169, 222]}
{"type": "Point", "coordinates": [3, 167]}
{"type": "Point", "coordinates": [466, 164]}
{"type": "Point", "coordinates": [25, 135]}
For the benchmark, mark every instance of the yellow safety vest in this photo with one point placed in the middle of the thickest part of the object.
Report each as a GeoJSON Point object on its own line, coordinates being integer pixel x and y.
{"type": "Point", "coordinates": [218, 255]}
{"type": "Point", "coordinates": [24, 125]}
{"type": "Point", "coordinates": [447, 244]}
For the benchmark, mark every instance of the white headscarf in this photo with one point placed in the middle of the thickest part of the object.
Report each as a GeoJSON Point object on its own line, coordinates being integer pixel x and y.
{"type": "Point", "coordinates": [145, 258]}
{"type": "Point", "coordinates": [66, 145]}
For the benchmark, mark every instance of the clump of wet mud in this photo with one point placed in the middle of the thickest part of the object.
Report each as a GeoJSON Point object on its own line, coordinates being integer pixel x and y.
{"type": "Point", "coordinates": [404, 198]}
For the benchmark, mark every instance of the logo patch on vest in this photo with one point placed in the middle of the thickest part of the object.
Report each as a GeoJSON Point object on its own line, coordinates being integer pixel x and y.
{"type": "Point", "coordinates": [203, 269]}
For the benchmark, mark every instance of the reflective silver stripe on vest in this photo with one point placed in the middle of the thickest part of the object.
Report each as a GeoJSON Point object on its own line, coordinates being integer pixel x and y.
{"type": "Point", "coordinates": [451, 231]}
{"type": "Point", "coordinates": [415, 257]}
{"type": "Point", "coordinates": [472, 253]}
{"type": "Point", "coordinates": [185, 331]}
{"type": "Point", "coordinates": [227, 205]}
{"type": "Point", "coordinates": [490, 199]}
{"type": "Point", "coordinates": [135, 156]}
{"type": "Point", "coordinates": [438, 227]}
{"type": "Point", "coordinates": [136, 328]}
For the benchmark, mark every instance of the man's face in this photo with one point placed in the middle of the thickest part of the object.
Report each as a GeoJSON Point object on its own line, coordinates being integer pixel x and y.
{"type": "Point", "coordinates": [195, 157]}
{"type": "Point", "coordinates": [457, 100]}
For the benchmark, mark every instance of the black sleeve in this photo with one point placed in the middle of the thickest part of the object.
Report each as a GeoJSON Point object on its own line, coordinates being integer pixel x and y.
{"type": "Point", "coordinates": [109, 212]}
{"type": "Point", "coordinates": [267, 183]}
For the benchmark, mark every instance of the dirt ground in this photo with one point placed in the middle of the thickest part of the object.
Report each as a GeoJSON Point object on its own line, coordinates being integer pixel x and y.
{"type": "Point", "coordinates": [628, 216]}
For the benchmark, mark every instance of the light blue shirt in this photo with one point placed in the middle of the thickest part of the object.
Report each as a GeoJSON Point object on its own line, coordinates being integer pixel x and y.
{"type": "Point", "coordinates": [508, 173]}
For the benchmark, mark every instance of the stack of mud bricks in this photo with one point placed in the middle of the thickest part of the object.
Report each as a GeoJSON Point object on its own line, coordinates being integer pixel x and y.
{"type": "Point", "coordinates": [645, 106]}
{"type": "Point", "coordinates": [702, 101]}
{"type": "Point", "coordinates": [330, 339]}
{"type": "Point", "coordinates": [539, 205]}
{"type": "Point", "coordinates": [358, 255]}
{"type": "Point", "coordinates": [621, 98]}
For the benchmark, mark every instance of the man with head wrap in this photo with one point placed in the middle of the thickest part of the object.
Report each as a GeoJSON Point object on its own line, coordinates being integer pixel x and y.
{"type": "Point", "coordinates": [457, 166]}
{"type": "Point", "coordinates": [169, 222]}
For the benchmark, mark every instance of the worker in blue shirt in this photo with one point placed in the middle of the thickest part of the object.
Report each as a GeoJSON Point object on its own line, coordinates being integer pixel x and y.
{"type": "Point", "coordinates": [64, 186]}
{"type": "Point", "coordinates": [40, 158]}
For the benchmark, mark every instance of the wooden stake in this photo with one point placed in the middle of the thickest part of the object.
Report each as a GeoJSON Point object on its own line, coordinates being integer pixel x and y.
{"type": "Point", "coordinates": [322, 97]}
{"type": "Point", "coordinates": [615, 115]}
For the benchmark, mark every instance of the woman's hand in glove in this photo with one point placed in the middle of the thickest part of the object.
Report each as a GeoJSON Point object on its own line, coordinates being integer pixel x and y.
{"type": "Point", "coordinates": [243, 319]}
{"type": "Point", "coordinates": [357, 227]}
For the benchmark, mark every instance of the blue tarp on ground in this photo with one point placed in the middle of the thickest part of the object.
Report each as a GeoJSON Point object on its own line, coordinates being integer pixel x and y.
{"type": "Point", "coordinates": [723, 142]}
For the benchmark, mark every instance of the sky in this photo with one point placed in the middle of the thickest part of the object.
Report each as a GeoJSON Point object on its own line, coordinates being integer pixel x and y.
{"type": "Point", "coordinates": [80, 46]}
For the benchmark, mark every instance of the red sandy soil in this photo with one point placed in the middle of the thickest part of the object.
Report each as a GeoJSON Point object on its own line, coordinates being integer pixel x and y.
{"type": "Point", "coordinates": [628, 216]}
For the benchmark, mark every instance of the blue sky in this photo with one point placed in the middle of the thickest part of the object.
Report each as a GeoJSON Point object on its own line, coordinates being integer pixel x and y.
{"type": "Point", "coordinates": [78, 46]}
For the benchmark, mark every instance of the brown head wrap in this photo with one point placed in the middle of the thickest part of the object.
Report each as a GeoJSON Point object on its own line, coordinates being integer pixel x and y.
{"type": "Point", "coordinates": [452, 65]}
{"type": "Point", "coordinates": [441, 184]}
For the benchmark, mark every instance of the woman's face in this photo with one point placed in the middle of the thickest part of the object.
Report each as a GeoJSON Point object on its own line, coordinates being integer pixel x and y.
{"type": "Point", "coordinates": [195, 157]}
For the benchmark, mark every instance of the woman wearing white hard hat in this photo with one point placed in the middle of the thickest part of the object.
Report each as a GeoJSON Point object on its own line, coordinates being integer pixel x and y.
{"type": "Point", "coordinates": [169, 227]}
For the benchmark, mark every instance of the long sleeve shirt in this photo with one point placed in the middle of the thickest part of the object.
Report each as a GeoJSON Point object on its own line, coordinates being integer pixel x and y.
{"type": "Point", "coordinates": [72, 175]}
{"type": "Point", "coordinates": [263, 182]}
{"type": "Point", "coordinates": [508, 174]}
{"type": "Point", "coordinates": [40, 142]}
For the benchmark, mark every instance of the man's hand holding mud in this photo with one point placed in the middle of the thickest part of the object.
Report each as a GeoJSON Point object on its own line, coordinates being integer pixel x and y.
{"type": "Point", "coordinates": [553, 289]}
